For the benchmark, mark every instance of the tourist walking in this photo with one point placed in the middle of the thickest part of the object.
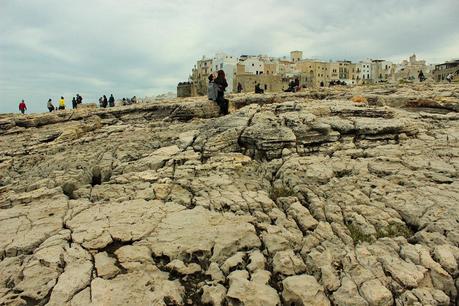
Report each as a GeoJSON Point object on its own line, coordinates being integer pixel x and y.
{"type": "Point", "coordinates": [50, 105]}
{"type": "Point", "coordinates": [74, 103]}
{"type": "Point", "coordinates": [62, 103]}
{"type": "Point", "coordinates": [221, 83]}
{"type": "Point", "coordinates": [22, 107]}
{"type": "Point", "coordinates": [111, 100]}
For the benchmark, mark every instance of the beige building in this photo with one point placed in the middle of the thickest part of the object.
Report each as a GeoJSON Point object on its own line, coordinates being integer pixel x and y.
{"type": "Point", "coordinates": [333, 71]}
{"type": "Point", "coordinates": [269, 83]}
{"type": "Point", "coordinates": [296, 56]}
{"type": "Point", "coordinates": [409, 69]}
{"type": "Point", "coordinates": [200, 74]}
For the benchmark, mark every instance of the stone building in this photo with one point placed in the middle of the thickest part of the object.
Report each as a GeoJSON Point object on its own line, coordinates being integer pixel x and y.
{"type": "Point", "coordinates": [409, 69]}
{"type": "Point", "coordinates": [200, 73]}
{"type": "Point", "coordinates": [269, 83]}
{"type": "Point", "coordinates": [296, 56]}
{"type": "Point", "coordinates": [382, 71]}
{"type": "Point", "coordinates": [186, 89]}
{"type": "Point", "coordinates": [441, 71]}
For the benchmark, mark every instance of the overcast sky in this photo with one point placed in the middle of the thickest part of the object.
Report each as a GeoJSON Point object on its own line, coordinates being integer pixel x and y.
{"type": "Point", "coordinates": [50, 48]}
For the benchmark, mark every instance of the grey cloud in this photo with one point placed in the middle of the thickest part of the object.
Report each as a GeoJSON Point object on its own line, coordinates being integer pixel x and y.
{"type": "Point", "coordinates": [51, 48]}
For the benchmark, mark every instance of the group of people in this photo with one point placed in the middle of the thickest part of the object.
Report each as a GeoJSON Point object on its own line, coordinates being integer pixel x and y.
{"type": "Point", "coordinates": [50, 106]}
{"type": "Point", "coordinates": [127, 101]}
{"type": "Point", "coordinates": [216, 91]}
{"type": "Point", "coordinates": [104, 102]}
{"type": "Point", "coordinates": [61, 104]}
{"type": "Point", "coordinates": [293, 86]}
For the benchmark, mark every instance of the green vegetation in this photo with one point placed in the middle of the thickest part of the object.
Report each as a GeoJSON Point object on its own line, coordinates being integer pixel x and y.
{"type": "Point", "coordinates": [281, 192]}
{"type": "Point", "coordinates": [393, 230]}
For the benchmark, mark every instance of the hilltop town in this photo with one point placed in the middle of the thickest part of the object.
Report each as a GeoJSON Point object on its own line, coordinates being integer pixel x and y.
{"type": "Point", "coordinates": [274, 74]}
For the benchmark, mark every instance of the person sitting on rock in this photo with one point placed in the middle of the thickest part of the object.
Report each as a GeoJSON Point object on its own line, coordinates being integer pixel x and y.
{"type": "Point", "coordinates": [62, 103]}
{"type": "Point", "coordinates": [258, 89]}
{"type": "Point", "coordinates": [22, 107]}
{"type": "Point", "coordinates": [221, 83]}
{"type": "Point", "coordinates": [79, 99]}
{"type": "Point", "coordinates": [134, 99]}
{"type": "Point", "coordinates": [50, 105]}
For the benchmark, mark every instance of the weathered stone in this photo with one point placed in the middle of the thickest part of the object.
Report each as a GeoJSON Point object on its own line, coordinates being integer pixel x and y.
{"type": "Point", "coordinates": [148, 203]}
{"type": "Point", "coordinates": [303, 290]}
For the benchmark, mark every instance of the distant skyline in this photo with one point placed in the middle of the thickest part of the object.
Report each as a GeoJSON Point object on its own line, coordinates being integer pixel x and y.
{"type": "Point", "coordinates": [50, 48]}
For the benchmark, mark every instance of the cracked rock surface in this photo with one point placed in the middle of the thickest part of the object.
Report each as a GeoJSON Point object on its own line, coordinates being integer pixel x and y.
{"type": "Point", "coordinates": [292, 199]}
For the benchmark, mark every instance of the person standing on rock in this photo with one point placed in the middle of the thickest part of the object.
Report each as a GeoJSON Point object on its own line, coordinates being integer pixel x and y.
{"type": "Point", "coordinates": [212, 89]}
{"type": "Point", "coordinates": [74, 103]}
{"type": "Point", "coordinates": [79, 99]}
{"type": "Point", "coordinates": [50, 105]}
{"type": "Point", "coordinates": [22, 107]}
{"type": "Point", "coordinates": [111, 100]}
{"type": "Point", "coordinates": [62, 103]}
{"type": "Point", "coordinates": [421, 76]}
{"type": "Point", "coordinates": [221, 83]}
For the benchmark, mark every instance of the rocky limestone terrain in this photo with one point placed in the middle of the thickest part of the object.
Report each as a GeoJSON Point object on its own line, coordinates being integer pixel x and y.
{"type": "Point", "coordinates": [334, 196]}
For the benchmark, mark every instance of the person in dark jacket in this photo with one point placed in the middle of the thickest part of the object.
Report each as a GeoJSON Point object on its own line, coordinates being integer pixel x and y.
{"type": "Point", "coordinates": [79, 99]}
{"type": "Point", "coordinates": [74, 103]}
{"type": "Point", "coordinates": [239, 87]}
{"type": "Point", "coordinates": [111, 100]}
{"type": "Point", "coordinates": [104, 98]}
{"type": "Point", "coordinates": [258, 89]}
{"type": "Point", "coordinates": [221, 83]}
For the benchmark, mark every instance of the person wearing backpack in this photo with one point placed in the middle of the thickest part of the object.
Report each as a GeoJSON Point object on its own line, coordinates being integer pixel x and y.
{"type": "Point", "coordinates": [212, 89]}
{"type": "Point", "coordinates": [221, 83]}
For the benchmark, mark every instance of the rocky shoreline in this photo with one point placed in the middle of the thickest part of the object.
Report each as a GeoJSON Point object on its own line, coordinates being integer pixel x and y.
{"type": "Point", "coordinates": [334, 196]}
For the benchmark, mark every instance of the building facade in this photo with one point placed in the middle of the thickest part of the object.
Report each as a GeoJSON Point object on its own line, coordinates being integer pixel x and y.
{"type": "Point", "coordinates": [441, 71]}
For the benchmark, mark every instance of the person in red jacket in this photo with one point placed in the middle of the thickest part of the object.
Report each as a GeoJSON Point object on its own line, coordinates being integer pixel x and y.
{"type": "Point", "coordinates": [22, 107]}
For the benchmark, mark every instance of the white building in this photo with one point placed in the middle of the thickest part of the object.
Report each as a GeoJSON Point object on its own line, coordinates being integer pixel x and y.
{"type": "Point", "coordinates": [382, 71]}
{"type": "Point", "coordinates": [363, 71]}
{"type": "Point", "coordinates": [228, 64]}
{"type": "Point", "coordinates": [253, 65]}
